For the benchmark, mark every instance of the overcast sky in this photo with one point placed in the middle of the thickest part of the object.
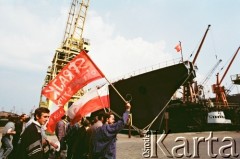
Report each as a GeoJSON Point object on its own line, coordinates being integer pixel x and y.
{"type": "Point", "coordinates": [125, 35]}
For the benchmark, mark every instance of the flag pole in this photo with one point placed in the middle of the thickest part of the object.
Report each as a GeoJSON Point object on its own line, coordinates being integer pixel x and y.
{"type": "Point", "coordinates": [181, 50]}
{"type": "Point", "coordinates": [116, 91]}
{"type": "Point", "coordinates": [106, 78]}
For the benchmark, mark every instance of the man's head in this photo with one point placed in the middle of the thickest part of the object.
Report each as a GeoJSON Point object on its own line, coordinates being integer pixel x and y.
{"type": "Point", "coordinates": [41, 115]}
{"type": "Point", "coordinates": [24, 117]}
{"type": "Point", "coordinates": [109, 118]}
{"type": "Point", "coordinates": [101, 115]}
{"type": "Point", "coordinates": [86, 123]}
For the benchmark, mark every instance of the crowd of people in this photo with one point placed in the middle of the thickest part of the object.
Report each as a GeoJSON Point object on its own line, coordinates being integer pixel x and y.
{"type": "Point", "coordinates": [88, 139]}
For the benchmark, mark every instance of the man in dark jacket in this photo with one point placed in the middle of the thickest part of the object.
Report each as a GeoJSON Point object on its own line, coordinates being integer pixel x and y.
{"type": "Point", "coordinates": [104, 138]}
{"type": "Point", "coordinates": [19, 128]}
{"type": "Point", "coordinates": [81, 144]}
{"type": "Point", "coordinates": [33, 139]}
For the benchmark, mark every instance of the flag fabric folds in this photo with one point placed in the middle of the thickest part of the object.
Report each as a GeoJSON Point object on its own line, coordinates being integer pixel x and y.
{"type": "Point", "coordinates": [91, 101]}
{"type": "Point", "coordinates": [178, 47]}
{"type": "Point", "coordinates": [55, 115]}
{"type": "Point", "coordinates": [76, 74]}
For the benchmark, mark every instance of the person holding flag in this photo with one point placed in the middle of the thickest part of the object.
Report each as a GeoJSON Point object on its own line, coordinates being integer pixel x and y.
{"type": "Point", "coordinates": [104, 137]}
{"type": "Point", "coordinates": [79, 72]}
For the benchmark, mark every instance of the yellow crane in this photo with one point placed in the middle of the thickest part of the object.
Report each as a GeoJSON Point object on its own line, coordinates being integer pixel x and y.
{"type": "Point", "coordinates": [72, 44]}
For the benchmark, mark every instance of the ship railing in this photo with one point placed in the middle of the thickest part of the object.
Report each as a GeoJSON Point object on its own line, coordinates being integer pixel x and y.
{"type": "Point", "coordinates": [221, 105]}
{"type": "Point", "coordinates": [148, 69]}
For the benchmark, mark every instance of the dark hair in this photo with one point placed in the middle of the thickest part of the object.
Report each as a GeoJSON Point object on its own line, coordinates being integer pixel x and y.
{"type": "Point", "coordinates": [86, 123]}
{"type": "Point", "coordinates": [22, 115]}
{"type": "Point", "coordinates": [27, 119]}
{"type": "Point", "coordinates": [38, 112]}
{"type": "Point", "coordinates": [100, 115]}
{"type": "Point", "coordinates": [107, 116]}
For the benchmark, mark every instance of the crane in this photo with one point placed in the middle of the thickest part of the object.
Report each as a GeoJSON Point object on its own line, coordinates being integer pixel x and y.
{"type": "Point", "coordinates": [73, 39]}
{"type": "Point", "coordinates": [189, 91]}
{"type": "Point", "coordinates": [207, 77]}
{"type": "Point", "coordinates": [220, 90]}
{"type": "Point", "coordinates": [71, 45]}
{"type": "Point", "coordinates": [229, 89]}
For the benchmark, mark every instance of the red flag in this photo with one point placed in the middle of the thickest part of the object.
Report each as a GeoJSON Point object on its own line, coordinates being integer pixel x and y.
{"type": "Point", "coordinates": [91, 101]}
{"type": "Point", "coordinates": [54, 118]}
{"type": "Point", "coordinates": [178, 47]}
{"type": "Point", "coordinates": [75, 75]}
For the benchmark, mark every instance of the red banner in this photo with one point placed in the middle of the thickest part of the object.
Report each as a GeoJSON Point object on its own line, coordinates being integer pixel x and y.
{"type": "Point", "coordinates": [75, 75]}
{"type": "Point", "coordinates": [54, 118]}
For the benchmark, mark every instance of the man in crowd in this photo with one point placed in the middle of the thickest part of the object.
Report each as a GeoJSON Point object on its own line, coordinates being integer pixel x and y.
{"type": "Point", "coordinates": [7, 135]}
{"type": "Point", "coordinates": [104, 137]}
{"type": "Point", "coordinates": [81, 144]}
{"type": "Point", "coordinates": [98, 122]}
{"type": "Point", "coordinates": [71, 138]}
{"type": "Point", "coordinates": [19, 128]}
{"type": "Point", "coordinates": [60, 132]}
{"type": "Point", "coordinates": [33, 140]}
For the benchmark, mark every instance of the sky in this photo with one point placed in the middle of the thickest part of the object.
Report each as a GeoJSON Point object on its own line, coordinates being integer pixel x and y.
{"type": "Point", "coordinates": [125, 36]}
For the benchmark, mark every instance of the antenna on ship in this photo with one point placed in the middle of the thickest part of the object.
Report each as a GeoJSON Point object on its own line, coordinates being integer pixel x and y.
{"type": "Point", "coordinates": [181, 50]}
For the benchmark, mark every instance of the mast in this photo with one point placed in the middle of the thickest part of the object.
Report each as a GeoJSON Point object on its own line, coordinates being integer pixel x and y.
{"type": "Point", "coordinates": [200, 46]}
{"type": "Point", "coordinates": [229, 65]}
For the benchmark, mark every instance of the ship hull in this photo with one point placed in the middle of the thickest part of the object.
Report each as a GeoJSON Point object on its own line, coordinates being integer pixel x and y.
{"type": "Point", "coordinates": [149, 93]}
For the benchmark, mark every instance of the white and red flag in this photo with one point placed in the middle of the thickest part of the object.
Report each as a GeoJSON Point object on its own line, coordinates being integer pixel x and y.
{"type": "Point", "coordinates": [93, 100]}
{"type": "Point", "coordinates": [80, 71]}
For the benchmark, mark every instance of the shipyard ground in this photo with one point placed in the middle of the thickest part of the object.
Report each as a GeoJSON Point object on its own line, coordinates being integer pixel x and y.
{"type": "Point", "coordinates": [132, 148]}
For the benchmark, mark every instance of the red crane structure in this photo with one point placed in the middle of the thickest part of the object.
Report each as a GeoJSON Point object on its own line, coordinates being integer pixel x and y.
{"type": "Point", "coordinates": [220, 90]}
{"type": "Point", "coordinates": [190, 89]}
{"type": "Point", "coordinates": [202, 84]}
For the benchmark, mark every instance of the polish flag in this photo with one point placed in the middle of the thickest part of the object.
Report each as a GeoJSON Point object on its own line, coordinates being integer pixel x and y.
{"type": "Point", "coordinates": [93, 100]}
{"type": "Point", "coordinates": [178, 47]}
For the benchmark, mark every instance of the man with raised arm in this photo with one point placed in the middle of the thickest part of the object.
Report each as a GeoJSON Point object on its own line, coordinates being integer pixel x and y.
{"type": "Point", "coordinates": [104, 138]}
